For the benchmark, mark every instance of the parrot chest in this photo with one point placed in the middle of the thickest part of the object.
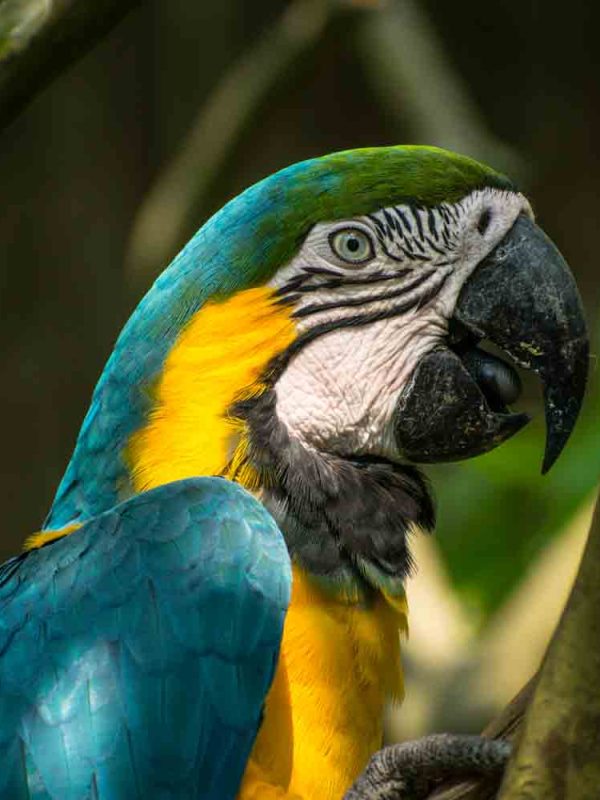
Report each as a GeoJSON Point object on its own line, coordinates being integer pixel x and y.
{"type": "Point", "coordinates": [339, 664]}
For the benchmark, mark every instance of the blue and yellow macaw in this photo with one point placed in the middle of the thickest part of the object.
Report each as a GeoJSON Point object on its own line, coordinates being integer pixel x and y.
{"type": "Point", "coordinates": [213, 607]}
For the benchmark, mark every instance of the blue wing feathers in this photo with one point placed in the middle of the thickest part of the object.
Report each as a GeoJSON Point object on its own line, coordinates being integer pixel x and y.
{"type": "Point", "coordinates": [135, 653]}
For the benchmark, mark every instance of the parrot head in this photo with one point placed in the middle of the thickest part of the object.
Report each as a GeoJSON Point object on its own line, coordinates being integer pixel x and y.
{"type": "Point", "coordinates": [319, 338]}
{"type": "Point", "coordinates": [390, 307]}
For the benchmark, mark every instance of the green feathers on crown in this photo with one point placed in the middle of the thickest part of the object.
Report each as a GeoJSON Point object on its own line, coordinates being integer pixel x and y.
{"type": "Point", "coordinates": [372, 177]}
{"type": "Point", "coordinates": [276, 213]}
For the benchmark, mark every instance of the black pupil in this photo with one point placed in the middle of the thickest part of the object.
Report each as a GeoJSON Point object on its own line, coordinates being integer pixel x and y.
{"type": "Point", "coordinates": [353, 244]}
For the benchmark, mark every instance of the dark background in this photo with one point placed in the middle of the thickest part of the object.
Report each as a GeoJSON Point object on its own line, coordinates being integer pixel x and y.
{"type": "Point", "coordinates": [113, 166]}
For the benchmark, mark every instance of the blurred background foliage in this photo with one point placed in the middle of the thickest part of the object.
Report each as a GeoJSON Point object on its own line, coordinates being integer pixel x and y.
{"type": "Point", "coordinates": [110, 170]}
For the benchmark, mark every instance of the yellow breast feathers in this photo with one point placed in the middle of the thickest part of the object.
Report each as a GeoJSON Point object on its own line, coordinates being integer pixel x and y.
{"type": "Point", "coordinates": [339, 665]}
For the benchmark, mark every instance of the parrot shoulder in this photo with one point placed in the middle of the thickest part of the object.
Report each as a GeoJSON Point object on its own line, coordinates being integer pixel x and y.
{"type": "Point", "coordinates": [154, 621]}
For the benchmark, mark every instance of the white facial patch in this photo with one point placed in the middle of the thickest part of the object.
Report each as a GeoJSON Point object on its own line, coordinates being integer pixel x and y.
{"type": "Point", "coordinates": [372, 296]}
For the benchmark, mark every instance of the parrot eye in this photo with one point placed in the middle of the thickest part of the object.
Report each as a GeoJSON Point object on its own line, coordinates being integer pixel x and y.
{"type": "Point", "coordinates": [352, 245]}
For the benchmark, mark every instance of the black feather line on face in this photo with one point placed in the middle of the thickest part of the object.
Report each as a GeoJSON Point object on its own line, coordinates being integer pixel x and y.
{"type": "Point", "coordinates": [417, 218]}
{"type": "Point", "coordinates": [298, 284]}
{"type": "Point", "coordinates": [413, 232]}
{"type": "Point", "coordinates": [320, 329]}
{"type": "Point", "coordinates": [434, 247]}
{"type": "Point", "coordinates": [345, 520]}
{"type": "Point", "coordinates": [356, 302]}
{"type": "Point", "coordinates": [406, 250]}
{"type": "Point", "coordinates": [403, 220]}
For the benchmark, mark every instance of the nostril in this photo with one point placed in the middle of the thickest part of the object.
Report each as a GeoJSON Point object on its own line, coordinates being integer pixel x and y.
{"type": "Point", "coordinates": [483, 223]}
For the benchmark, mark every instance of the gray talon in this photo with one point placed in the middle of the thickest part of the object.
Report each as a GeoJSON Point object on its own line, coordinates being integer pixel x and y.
{"type": "Point", "coordinates": [411, 770]}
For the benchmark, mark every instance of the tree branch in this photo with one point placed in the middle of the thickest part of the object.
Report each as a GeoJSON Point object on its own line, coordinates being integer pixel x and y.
{"type": "Point", "coordinates": [39, 38]}
{"type": "Point", "coordinates": [558, 757]}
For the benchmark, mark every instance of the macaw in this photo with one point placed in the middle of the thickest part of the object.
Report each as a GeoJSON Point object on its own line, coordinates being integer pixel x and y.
{"type": "Point", "coordinates": [213, 606]}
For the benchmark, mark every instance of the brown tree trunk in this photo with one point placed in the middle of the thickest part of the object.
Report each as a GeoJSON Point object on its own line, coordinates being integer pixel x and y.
{"type": "Point", "coordinates": [558, 757]}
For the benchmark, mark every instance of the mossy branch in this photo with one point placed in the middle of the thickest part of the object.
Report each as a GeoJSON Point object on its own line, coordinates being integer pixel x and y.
{"type": "Point", "coordinates": [39, 38]}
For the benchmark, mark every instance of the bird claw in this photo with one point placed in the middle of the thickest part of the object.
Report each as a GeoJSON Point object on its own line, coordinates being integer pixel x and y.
{"type": "Point", "coordinates": [411, 770]}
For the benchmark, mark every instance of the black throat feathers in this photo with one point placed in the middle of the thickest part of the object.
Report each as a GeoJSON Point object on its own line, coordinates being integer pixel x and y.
{"type": "Point", "coordinates": [346, 520]}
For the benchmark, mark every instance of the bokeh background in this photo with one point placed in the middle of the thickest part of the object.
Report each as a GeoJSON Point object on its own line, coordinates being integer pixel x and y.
{"type": "Point", "coordinates": [109, 171]}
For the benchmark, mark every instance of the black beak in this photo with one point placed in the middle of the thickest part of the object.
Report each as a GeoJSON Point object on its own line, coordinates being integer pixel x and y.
{"type": "Point", "coordinates": [523, 298]}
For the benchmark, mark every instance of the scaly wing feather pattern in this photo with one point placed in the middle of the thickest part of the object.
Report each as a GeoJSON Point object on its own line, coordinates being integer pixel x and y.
{"type": "Point", "coordinates": [135, 653]}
